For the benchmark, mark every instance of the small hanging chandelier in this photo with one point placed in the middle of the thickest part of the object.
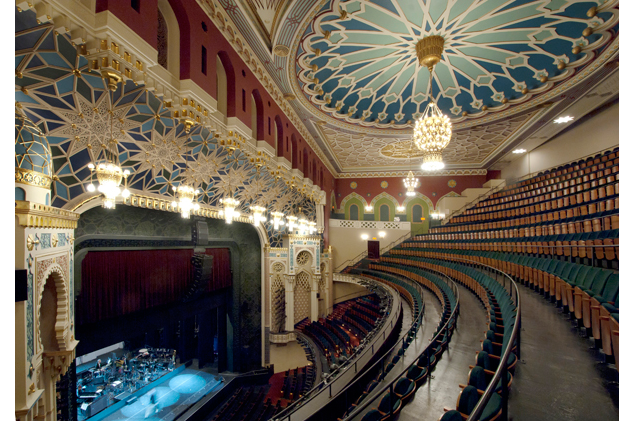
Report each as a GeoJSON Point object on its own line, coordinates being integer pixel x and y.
{"type": "Point", "coordinates": [411, 183]}
{"type": "Point", "coordinates": [229, 205]}
{"type": "Point", "coordinates": [277, 219]}
{"type": "Point", "coordinates": [303, 226]}
{"type": "Point", "coordinates": [186, 192]}
{"type": "Point", "coordinates": [258, 215]}
{"type": "Point", "coordinates": [291, 222]}
{"type": "Point", "coordinates": [186, 196]}
{"type": "Point", "coordinates": [312, 227]}
{"type": "Point", "coordinates": [109, 172]}
{"type": "Point", "coordinates": [432, 131]}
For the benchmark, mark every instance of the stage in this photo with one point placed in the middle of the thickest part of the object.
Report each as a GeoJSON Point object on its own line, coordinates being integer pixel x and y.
{"type": "Point", "coordinates": [166, 398]}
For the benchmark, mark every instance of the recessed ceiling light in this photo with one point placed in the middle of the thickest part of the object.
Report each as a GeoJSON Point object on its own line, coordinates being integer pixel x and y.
{"type": "Point", "coordinates": [519, 151]}
{"type": "Point", "coordinates": [564, 119]}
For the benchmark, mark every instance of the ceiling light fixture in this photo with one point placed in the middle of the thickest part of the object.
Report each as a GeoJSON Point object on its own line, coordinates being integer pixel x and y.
{"type": "Point", "coordinates": [229, 205]}
{"type": "Point", "coordinates": [108, 169]}
{"type": "Point", "coordinates": [432, 131]}
{"type": "Point", "coordinates": [277, 219]}
{"type": "Point", "coordinates": [565, 119]}
{"type": "Point", "coordinates": [186, 192]}
{"type": "Point", "coordinates": [411, 182]}
{"type": "Point", "coordinates": [519, 151]}
{"type": "Point", "coordinates": [257, 217]}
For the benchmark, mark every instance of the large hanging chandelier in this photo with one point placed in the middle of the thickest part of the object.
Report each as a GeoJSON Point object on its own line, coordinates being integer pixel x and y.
{"type": "Point", "coordinates": [108, 171]}
{"type": "Point", "coordinates": [432, 131]}
{"type": "Point", "coordinates": [291, 222]}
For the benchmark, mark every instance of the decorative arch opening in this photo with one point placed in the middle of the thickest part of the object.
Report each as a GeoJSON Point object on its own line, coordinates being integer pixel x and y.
{"type": "Point", "coordinates": [384, 212]}
{"type": "Point", "coordinates": [225, 85]}
{"type": "Point", "coordinates": [257, 115]}
{"type": "Point", "coordinates": [279, 136]}
{"type": "Point", "coordinates": [294, 162]}
{"type": "Point", "coordinates": [417, 213]}
{"type": "Point", "coordinates": [168, 38]}
{"type": "Point", "coordinates": [302, 296]}
{"type": "Point", "coordinates": [20, 194]}
{"type": "Point", "coordinates": [354, 212]}
{"type": "Point", "coordinates": [52, 313]}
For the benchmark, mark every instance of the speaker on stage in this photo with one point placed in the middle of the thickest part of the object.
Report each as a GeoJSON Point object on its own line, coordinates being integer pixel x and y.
{"type": "Point", "coordinates": [203, 266]}
{"type": "Point", "coordinates": [200, 233]}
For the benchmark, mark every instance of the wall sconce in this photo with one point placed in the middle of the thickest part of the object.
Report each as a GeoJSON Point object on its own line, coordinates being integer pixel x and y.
{"type": "Point", "coordinates": [382, 234]}
{"type": "Point", "coordinates": [364, 236]}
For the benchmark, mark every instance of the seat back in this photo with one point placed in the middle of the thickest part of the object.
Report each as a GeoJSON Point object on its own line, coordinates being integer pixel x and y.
{"type": "Point", "coordinates": [477, 378]}
{"type": "Point", "coordinates": [611, 289]}
{"type": "Point", "coordinates": [468, 399]}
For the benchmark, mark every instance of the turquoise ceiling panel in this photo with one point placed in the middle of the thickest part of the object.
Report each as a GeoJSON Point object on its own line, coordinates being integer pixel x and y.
{"type": "Point", "coordinates": [501, 42]}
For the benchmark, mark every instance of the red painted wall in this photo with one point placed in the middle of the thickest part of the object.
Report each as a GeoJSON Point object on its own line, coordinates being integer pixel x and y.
{"type": "Point", "coordinates": [429, 186]}
{"type": "Point", "coordinates": [144, 22]}
{"type": "Point", "coordinates": [192, 38]}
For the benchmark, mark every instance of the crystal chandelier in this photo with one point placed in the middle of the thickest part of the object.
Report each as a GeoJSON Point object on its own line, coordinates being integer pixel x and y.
{"type": "Point", "coordinates": [109, 172]}
{"type": "Point", "coordinates": [303, 226]}
{"type": "Point", "coordinates": [258, 215]}
{"type": "Point", "coordinates": [411, 183]}
{"type": "Point", "coordinates": [229, 205]}
{"type": "Point", "coordinates": [277, 219]}
{"type": "Point", "coordinates": [312, 227]}
{"type": "Point", "coordinates": [432, 131]}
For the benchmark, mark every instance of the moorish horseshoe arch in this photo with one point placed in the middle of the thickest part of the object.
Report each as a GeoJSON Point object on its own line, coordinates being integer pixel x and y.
{"type": "Point", "coordinates": [55, 273]}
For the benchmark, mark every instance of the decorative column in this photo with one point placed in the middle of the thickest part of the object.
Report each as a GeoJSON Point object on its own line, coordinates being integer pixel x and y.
{"type": "Point", "coordinates": [44, 323]}
{"type": "Point", "coordinates": [289, 284]}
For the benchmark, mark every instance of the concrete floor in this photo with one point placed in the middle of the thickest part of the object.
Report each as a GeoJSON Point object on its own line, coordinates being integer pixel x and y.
{"type": "Point", "coordinates": [559, 377]}
{"type": "Point", "coordinates": [453, 368]}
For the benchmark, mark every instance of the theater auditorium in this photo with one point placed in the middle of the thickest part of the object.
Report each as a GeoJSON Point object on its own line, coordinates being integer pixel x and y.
{"type": "Point", "coordinates": [250, 210]}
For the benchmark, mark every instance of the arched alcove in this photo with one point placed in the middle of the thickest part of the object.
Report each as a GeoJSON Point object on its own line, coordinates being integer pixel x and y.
{"type": "Point", "coordinates": [225, 85]}
{"type": "Point", "coordinates": [257, 115]}
{"type": "Point", "coordinates": [294, 162]}
{"type": "Point", "coordinates": [279, 136]}
{"type": "Point", "coordinates": [384, 212]}
{"type": "Point", "coordinates": [354, 212]}
{"type": "Point", "coordinates": [20, 194]}
{"type": "Point", "coordinates": [48, 307]}
{"type": "Point", "coordinates": [171, 38]}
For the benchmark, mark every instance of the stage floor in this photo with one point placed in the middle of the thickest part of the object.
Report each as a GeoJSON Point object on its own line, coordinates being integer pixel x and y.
{"type": "Point", "coordinates": [169, 398]}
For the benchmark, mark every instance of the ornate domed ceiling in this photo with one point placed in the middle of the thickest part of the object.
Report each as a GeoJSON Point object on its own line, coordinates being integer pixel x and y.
{"type": "Point", "coordinates": [353, 76]}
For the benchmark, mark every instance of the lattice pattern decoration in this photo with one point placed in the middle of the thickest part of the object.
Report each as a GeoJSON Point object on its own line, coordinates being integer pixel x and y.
{"type": "Point", "coordinates": [277, 267]}
{"type": "Point", "coordinates": [71, 104]}
{"type": "Point", "coordinates": [278, 304]}
{"type": "Point", "coordinates": [302, 296]}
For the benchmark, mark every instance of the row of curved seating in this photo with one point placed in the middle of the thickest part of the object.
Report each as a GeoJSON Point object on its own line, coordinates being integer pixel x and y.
{"type": "Point", "coordinates": [602, 173]}
{"type": "Point", "coordinates": [601, 209]}
{"type": "Point", "coordinates": [553, 173]}
{"type": "Point", "coordinates": [606, 162]}
{"type": "Point", "coordinates": [297, 382]}
{"type": "Point", "coordinates": [588, 293]}
{"type": "Point", "coordinates": [331, 335]}
{"type": "Point", "coordinates": [390, 404]}
{"type": "Point", "coordinates": [246, 404]}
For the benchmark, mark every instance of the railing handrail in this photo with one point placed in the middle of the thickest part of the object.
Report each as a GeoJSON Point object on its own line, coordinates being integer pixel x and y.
{"type": "Point", "coordinates": [502, 365]}
{"type": "Point", "coordinates": [378, 392]}
{"type": "Point", "coordinates": [342, 368]}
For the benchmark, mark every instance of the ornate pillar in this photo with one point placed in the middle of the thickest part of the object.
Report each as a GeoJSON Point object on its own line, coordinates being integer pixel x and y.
{"type": "Point", "coordinates": [44, 323]}
{"type": "Point", "coordinates": [289, 284]}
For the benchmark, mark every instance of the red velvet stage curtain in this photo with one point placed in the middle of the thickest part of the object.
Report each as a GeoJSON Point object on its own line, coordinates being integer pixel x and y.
{"type": "Point", "coordinates": [115, 283]}
{"type": "Point", "coordinates": [221, 275]}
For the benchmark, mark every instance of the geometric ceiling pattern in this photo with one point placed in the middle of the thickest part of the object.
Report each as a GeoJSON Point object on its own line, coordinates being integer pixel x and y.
{"type": "Point", "coordinates": [364, 69]}
{"type": "Point", "coordinates": [73, 107]}
{"type": "Point", "coordinates": [358, 152]}
{"type": "Point", "coordinates": [352, 67]}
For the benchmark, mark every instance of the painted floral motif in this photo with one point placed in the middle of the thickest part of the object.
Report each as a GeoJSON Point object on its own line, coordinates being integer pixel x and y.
{"type": "Point", "coordinates": [452, 183]}
{"type": "Point", "coordinates": [353, 185]}
{"type": "Point", "coordinates": [45, 241]}
{"type": "Point", "coordinates": [384, 184]}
